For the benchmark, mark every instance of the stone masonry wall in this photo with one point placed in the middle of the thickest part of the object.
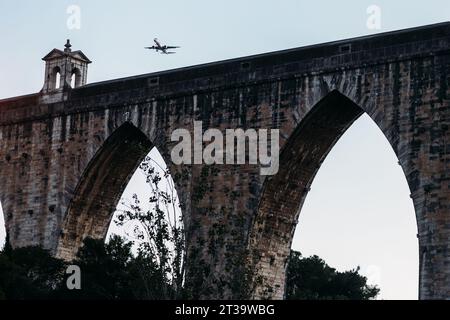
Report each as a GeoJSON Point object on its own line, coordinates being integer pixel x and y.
{"type": "Point", "coordinates": [63, 165]}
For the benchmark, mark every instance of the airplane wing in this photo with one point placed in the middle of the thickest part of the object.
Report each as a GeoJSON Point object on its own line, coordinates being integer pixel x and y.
{"type": "Point", "coordinates": [152, 47]}
{"type": "Point", "coordinates": [171, 47]}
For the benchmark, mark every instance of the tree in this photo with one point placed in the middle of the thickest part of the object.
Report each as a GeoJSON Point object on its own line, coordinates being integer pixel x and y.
{"type": "Point", "coordinates": [111, 271]}
{"type": "Point", "coordinates": [104, 270]}
{"type": "Point", "coordinates": [156, 270]}
{"type": "Point", "coordinates": [159, 234]}
{"type": "Point", "coordinates": [29, 273]}
{"type": "Point", "coordinates": [312, 279]}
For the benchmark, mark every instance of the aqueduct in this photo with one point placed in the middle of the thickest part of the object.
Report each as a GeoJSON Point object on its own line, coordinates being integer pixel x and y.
{"type": "Point", "coordinates": [67, 153]}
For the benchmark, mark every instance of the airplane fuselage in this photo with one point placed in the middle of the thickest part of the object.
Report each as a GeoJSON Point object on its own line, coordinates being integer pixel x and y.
{"type": "Point", "coordinates": [158, 47]}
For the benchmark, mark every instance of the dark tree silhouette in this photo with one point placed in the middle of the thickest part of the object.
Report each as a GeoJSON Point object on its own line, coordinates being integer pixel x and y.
{"type": "Point", "coordinates": [158, 232]}
{"type": "Point", "coordinates": [155, 268]}
{"type": "Point", "coordinates": [312, 279]}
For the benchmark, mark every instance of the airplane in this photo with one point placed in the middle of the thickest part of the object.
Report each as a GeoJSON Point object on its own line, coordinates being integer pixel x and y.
{"type": "Point", "coordinates": [159, 47]}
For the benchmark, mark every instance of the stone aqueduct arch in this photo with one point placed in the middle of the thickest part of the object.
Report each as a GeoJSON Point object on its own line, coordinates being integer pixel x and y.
{"type": "Point", "coordinates": [98, 191]}
{"type": "Point", "coordinates": [66, 156]}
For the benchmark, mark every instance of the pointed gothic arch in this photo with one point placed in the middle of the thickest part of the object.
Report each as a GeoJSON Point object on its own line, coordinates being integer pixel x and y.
{"type": "Point", "coordinates": [100, 188]}
{"type": "Point", "coordinates": [283, 195]}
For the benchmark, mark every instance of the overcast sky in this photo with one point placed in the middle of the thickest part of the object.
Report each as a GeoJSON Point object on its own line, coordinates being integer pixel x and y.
{"type": "Point", "coordinates": [358, 211]}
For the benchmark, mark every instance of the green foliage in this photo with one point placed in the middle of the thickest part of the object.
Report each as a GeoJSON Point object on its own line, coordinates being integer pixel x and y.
{"type": "Point", "coordinates": [312, 279]}
{"type": "Point", "coordinates": [158, 233]}
{"type": "Point", "coordinates": [104, 269]}
{"type": "Point", "coordinates": [156, 269]}
{"type": "Point", "coordinates": [111, 271]}
{"type": "Point", "coordinates": [108, 271]}
{"type": "Point", "coordinates": [29, 273]}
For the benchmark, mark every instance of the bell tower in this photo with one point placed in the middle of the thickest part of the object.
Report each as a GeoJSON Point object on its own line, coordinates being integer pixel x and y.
{"type": "Point", "coordinates": [64, 69]}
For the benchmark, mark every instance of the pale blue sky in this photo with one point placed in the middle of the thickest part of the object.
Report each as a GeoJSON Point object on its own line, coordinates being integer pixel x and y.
{"type": "Point", "coordinates": [359, 211]}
